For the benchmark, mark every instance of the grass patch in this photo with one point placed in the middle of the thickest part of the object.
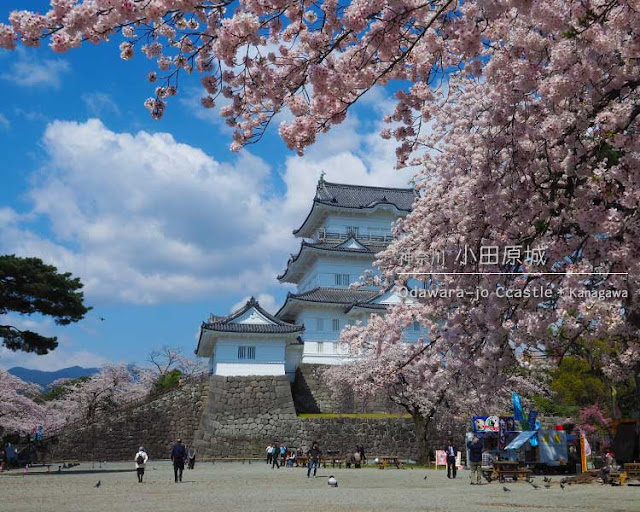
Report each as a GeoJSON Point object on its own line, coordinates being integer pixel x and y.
{"type": "Point", "coordinates": [373, 415]}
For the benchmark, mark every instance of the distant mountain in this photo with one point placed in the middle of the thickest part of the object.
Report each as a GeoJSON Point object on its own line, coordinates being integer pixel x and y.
{"type": "Point", "coordinates": [46, 378]}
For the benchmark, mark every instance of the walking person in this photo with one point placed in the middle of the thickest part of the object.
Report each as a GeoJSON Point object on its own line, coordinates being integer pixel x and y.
{"type": "Point", "coordinates": [274, 458]}
{"type": "Point", "coordinates": [475, 460]}
{"type": "Point", "coordinates": [451, 452]}
{"type": "Point", "coordinates": [314, 459]}
{"type": "Point", "coordinates": [178, 456]}
{"type": "Point", "coordinates": [283, 454]}
{"type": "Point", "coordinates": [140, 459]}
{"type": "Point", "coordinates": [191, 457]}
{"type": "Point", "coordinates": [360, 450]}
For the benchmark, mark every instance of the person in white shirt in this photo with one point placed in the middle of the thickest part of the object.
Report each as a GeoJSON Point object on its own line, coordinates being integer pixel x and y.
{"type": "Point", "coordinates": [140, 459]}
{"type": "Point", "coordinates": [269, 453]}
{"type": "Point", "coordinates": [451, 452]}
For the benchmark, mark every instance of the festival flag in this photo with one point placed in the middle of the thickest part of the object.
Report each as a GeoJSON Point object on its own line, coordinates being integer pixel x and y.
{"type": "Point", "coordinates": [518, 413]}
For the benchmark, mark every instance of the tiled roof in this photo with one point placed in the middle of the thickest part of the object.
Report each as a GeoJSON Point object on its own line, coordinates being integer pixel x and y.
{"type": "Point", "coordinates": [226, 324]}
{"type": "Point", "coordinates": [252, 328]}
{"type": "Point", "coordinates": [355, 197]}
{"type": "Point", "coordinates": [330, 247]}
{"type": "Point", "coordinates": [359, 196]}
{"type": "Point", "coordinates": [335, 295]}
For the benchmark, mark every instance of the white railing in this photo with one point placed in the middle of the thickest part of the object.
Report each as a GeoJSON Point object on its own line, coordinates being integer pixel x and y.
{"type": "Point", "coordinates": [329, 235]}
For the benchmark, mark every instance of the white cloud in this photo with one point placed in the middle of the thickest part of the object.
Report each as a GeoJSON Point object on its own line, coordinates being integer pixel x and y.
{"type": "Point", "coordinates": [28, 70]}
{"type": "Point", "coordinates": [100, 103]}
{"type": "Point", "coordinates": [4, 122]}
{"type": "Point", "coordinates": [143, 218]}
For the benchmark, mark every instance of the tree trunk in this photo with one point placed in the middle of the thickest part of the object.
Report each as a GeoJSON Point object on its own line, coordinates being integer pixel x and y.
{"type": "Point", "coordinates": [422, 425]}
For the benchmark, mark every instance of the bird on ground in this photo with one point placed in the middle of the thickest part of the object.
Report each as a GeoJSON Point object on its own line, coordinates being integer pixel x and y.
{"type": "Point", "coordinates": [97, 484]}
{"type": "Point", "coordinates": [506, 489]}
{"type": "Point", "coordinates": [546, 479]}
{"type": "Point", "coordinates": [562, 486]}
{"type": "Point", "coordinates": [534, 485]}
{"type": "Point", "coordinates": [332, 481]}
{"type": "Point", "coordinates": [425, 477]}
{"type": "Point", "coordinates": [547, 486]}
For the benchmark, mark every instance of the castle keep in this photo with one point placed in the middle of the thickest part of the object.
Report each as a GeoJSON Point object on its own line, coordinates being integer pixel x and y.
{"type": "Point", "coordinates": [346, 226]}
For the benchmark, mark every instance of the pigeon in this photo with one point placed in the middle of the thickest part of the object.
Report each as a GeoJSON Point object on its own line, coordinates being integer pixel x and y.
{"type": "Point", "coordinates": [546, 479]}
{"type": "Point", "coordinates": [547, 486]}
{"type": "Point", "coordinates": [97, 484]}
{"type": "Point", "coordinates": [332, 481]}
{"type": "Point", "coordinates": [534, 485]}
{"type": "Point", "coordinates": [562, 486]}
{"type": "Point", "coordinates": [425, 477]}
{"type": "Point", "coordinates": [506, 489]}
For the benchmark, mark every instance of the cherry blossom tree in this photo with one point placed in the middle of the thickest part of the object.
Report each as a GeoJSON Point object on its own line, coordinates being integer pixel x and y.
{"type": "Point", "coordinates": [167, 359]}
{"type": "Point", "coordinates": [437, 387]}
{"type": "Point", "coordinates": [85, 399]}
{"type": "Point", "coordinates": [18, 410]}
{"type": "Point", "coordinates": [521, 117]}
{"type": "Point", "coordinates": [169, 366]}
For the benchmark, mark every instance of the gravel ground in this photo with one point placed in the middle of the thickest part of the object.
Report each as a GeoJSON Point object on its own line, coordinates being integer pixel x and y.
{"type": "Point", "coordinates": [236, 486]}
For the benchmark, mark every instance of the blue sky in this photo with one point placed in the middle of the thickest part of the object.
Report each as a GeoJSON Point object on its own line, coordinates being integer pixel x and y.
{"type": "Point", "coordinates": [162, 223]}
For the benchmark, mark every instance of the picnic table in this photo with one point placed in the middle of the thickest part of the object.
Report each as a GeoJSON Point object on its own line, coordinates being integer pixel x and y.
{"type": "Point", "coordinates": [503, 469]}
{"type": "Point", "coordinates": [387, 460]}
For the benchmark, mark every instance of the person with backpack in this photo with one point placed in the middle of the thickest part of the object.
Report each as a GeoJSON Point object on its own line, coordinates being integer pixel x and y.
{"type": "Point", "coordinates": [140, 459]}
{"type": "Point", "coordinates": [178, 456]}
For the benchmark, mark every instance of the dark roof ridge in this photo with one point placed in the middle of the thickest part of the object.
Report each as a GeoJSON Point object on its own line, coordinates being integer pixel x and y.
{"type": "Point", "coordinates": [251, 303]}
{"type": "Point", "coordinates": [375, 187]}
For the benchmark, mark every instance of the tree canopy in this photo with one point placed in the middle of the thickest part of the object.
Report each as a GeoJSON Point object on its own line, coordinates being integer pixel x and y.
{"type": "Point", "coordinates": [28, 286]}
{"type": "Point", "coordinates": [521, 117]}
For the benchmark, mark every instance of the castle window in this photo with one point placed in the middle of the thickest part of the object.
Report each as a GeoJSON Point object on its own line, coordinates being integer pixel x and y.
{"type": "Point", "coordinates": [336, 324]}
{"type": "Point", "coordinates": [246, 352]}
{"type": "Point", "coordinates": [342, 280]}
{"type": "Point", "coordinates": [319, 324]}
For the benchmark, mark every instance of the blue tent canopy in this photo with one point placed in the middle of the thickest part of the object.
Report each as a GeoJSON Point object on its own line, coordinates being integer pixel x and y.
{"type": "Point", "coordinates": [520, 439]}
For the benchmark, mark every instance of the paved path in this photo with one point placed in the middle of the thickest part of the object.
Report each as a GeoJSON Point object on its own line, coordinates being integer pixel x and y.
{"type": "Point", "coordinates": [248, 487]}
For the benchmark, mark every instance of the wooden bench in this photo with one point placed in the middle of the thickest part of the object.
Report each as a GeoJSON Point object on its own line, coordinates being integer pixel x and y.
{"type": "Point", "coordinates": [333, 460]}
{"type": "Point", "coordinates": [514, 474]}
{"type": "Point", "coordinates": [383, 462]}
{"type": "Point", "coordinates": [509, 469]}
{"type": "Point", "coordinates": [617, 477]}
{"type": "Point", "coordinates": [632, 469]}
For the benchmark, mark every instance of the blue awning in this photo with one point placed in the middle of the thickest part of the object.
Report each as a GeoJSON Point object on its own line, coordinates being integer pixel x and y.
{"type": "Point", "coordinates": [520, 439]}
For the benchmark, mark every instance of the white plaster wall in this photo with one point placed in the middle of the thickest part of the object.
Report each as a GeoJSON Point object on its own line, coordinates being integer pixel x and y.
{"type": "Point", "coordinates": [337, 223]}
{"type": "Point", "coordinates": [309, 318]}
{"type": "Point", "coordinates": [237, 369]}
{"type": "Point", "coordinates": [322, 272]}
